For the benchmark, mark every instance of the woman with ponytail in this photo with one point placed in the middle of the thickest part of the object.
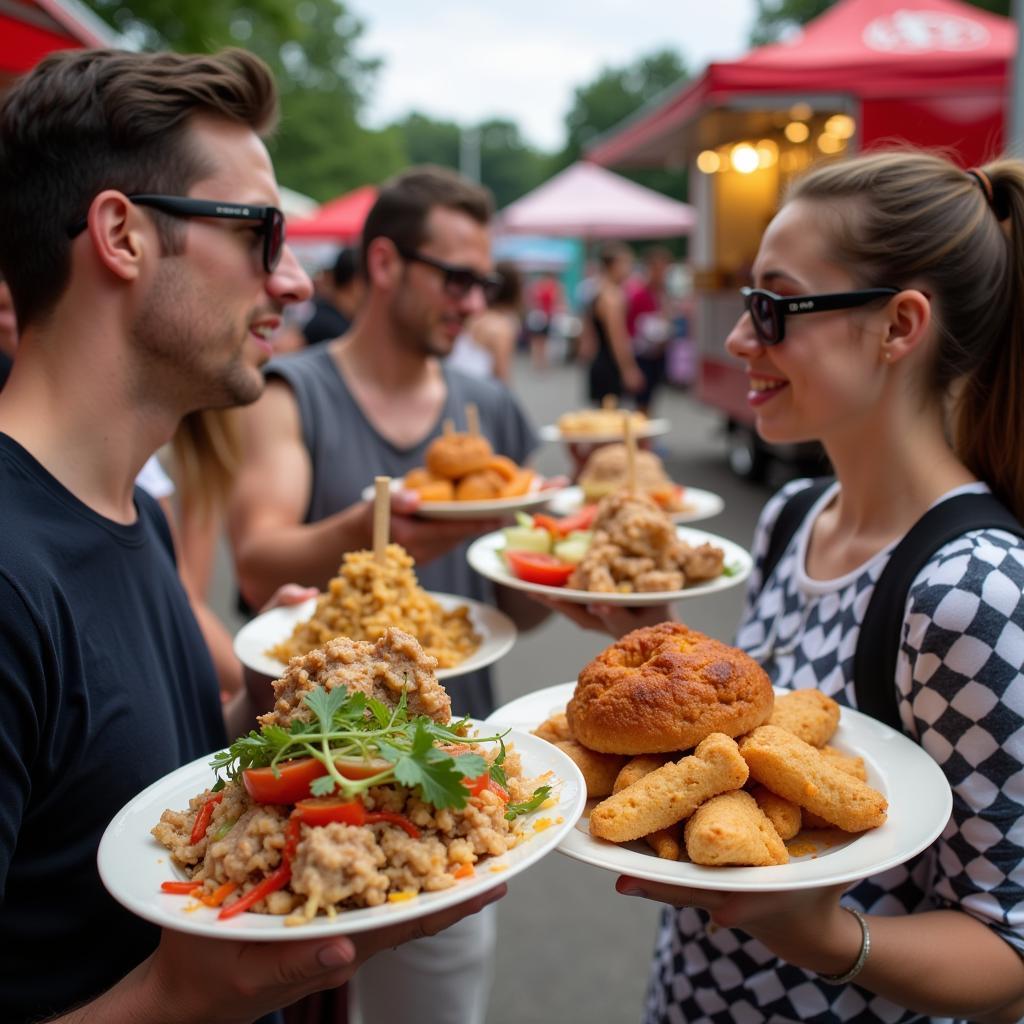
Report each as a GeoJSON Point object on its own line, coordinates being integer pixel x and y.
{"type": "Point", "coordinates": [887, 321]}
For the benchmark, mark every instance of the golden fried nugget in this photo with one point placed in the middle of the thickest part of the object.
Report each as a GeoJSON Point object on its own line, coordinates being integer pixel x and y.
{"type": "Point", "coordinates": [808, 714]}
{"type": "Point", "coordinates": [782, 813]}
{"type": "Point", "coordinates": [665, 843]}
{"type": "Point", "coordinates": [849, 763]}
{"type": "Point", "coordinates": [732, 829]}
{"type": "Point", "coordinates": [637, 767]}
{"type": "Point", "coordinates": [672, 792]}
{"type": "Point", "coordinates": [793, 769]}
{"type": "Point", "coordinates": [599, 770]}
{"type": "Point", "coordinates": [554, 728]}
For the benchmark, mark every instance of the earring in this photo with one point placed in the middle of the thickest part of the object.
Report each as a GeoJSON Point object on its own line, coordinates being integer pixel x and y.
{"type": "Point", "coordinates": [887, 355]}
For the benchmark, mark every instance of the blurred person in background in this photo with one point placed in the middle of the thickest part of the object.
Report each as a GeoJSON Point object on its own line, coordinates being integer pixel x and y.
{"type": "Point", "coordinates": [649, 322]}
{"type": "Point", "coordinates": [613, 369]}
{"type": "Point", "coordinates": [339, 292]}
{"type": "Point", "coordinates": [546, 301]}
{"type": "Point", "coordinates": [486, 347]}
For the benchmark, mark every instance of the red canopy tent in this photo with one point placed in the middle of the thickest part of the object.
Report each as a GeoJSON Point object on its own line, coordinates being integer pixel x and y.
{"type": "Point", "coordinates": [934, 72]}
{"type": "Point", "coordinates": [30, 29]}
{"type": "Point", "coordinates": [340, 220]}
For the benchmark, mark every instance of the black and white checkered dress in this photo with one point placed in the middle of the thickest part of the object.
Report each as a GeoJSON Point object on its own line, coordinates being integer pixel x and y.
{"type": "Point", "coordinates": [960, 690]}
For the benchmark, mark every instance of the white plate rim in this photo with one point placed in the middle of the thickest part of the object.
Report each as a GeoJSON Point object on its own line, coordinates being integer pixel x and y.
{"type": "Point", "coordinates": [483, 556]}
{"type": "Point", "coordinates": [655, 427]}
{"type": "Point", "coordinates": [920, 789]}
{"type": "Point", "coordinates": [136, 885]}
{"type": "Point", "coordinates": [705, 504]}
{"type": "Point", "coordinates": [533, 499]}
{"type": "Point", "coordinates": [497, 629]}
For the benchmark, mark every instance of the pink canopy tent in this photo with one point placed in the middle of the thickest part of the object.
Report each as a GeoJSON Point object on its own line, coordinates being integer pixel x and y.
{"type": "Point", "coordinates": [340, 220]}
{"type": "Point", "coordinates": [587, 201]}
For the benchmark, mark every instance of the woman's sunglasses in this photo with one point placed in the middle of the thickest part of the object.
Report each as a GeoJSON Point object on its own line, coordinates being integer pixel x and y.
{"type": "Point", "coordinates": [458, 281]}
{"type": "Point", "coordinates": [768, 311]}
{"type": "Point", "coordinates": [271, 219]}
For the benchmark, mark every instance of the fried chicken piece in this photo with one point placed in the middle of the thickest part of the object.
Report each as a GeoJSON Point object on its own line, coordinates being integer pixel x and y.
{"type": "Point", "coordinates": [396, 662]}
{"type": "Point", "coordinates": [700, 563]}
{"type": "Point", "coordinates": [657, 580]}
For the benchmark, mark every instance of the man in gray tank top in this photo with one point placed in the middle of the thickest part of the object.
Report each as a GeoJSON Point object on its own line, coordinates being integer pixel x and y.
{"type": "Point", "coordinates": [368, 403]}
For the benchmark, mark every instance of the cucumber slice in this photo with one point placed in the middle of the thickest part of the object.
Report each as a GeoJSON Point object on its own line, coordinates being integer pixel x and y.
{"type": "Point", "coordinates": [572, 549]}
{"type": "Point", "coordinates": [521, 538]}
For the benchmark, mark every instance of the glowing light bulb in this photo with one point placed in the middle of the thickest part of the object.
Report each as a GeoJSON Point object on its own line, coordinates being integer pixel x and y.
{"type": "Point", "coordinates": [744, 158]}
{"type": "Point", "coordinates": [797, 131]}
{"type": "Point", "coordinates": [708, 161]}
{"type": "Point", "coordinates": [842, 126]}
{"type": "Point", "coordinates": [767, 153]}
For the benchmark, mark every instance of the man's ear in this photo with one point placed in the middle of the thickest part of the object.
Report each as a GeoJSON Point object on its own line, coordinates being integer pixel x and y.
{"type": "Point", "coordinates": [120, 233]}
{"type": "Point", "coordinates": [909, 320]}
{"type": "Point", "coordinates": [383, 264]}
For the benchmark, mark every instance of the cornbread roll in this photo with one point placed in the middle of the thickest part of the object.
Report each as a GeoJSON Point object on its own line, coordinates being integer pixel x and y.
{"type": "Point", "coordinates": [808, 714]}
{"type": "Point", "coordinates": [665, 843]}
{"type": "Point", "coordinates": [636, 768]}
{"type": "Point", "coordinates": [849, 763]}
{"type": "Point", "coordinates": [663, 688]}
{"type": "Point", "coordinates": [670, 793]}
{"type": "Point", "coordinates": [784, 815]}
{"type": "Point", "coordinates": [554, 728]}
{"type": "Point", "coordinates": [455, 455]}
{"type": "Point", "coordinates": [599, 770]}
{"type": "Point", "coordinates": [732, 829]}
{"type": "Point", "coordinates": [788, 766]}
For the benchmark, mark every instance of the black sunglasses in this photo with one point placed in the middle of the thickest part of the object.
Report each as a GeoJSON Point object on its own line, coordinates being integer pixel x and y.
{"type": "Point", "coordinates": [768, 311]}
{"type": "Point", "coordinates": [458, 281]}
{"type": "Point", "coordinates": [270, 217]}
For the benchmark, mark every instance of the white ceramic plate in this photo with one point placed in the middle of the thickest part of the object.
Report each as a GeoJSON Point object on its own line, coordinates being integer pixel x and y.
{"type": "Point", "coordinates": [132, 863]}
{"type": "Point", "coordinates": [484, 555]}
{"type": "Point", "coordinates": [653, 428]}
{"type": "Point", "coordinates": [919, 798]}
{"type": "Point", "coordinates": [258, 635]}
{"type": "Point", "coordinates": [697, 504]}
{"type": "Point", "coordinates": [537, 497]}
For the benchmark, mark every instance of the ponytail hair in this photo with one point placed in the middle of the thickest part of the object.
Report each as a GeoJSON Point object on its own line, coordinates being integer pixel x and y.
{"type": "Point", "coordinates": [912, 216]}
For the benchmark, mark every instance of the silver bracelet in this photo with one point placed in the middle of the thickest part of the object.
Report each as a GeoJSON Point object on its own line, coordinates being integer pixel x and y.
{"type": "Point", "coordinates": [862, 956]}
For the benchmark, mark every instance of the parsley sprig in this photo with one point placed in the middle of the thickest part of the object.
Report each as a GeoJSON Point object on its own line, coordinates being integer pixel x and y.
{"type": "Point", "coordinates": [351, 725]}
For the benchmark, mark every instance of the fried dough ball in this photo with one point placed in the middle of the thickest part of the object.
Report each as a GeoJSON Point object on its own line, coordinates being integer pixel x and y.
{"type": "Point", "coordinates": [456, 455]}
{"type": "Point", "coordinates": [481, 485]}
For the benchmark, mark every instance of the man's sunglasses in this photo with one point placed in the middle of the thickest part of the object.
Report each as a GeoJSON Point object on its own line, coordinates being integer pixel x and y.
{"type": "Point", "coordinates": [768, 311]}
{"type": "Point", "coordinates": [458, 281]}
{"type": "Point", "coordinates": [270, 217]}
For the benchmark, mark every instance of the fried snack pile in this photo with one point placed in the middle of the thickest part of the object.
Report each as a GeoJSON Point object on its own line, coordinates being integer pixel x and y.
{"type": "Point", "coordinates": [635, 550]}
{"type": "Point", "coordinates": [730, 801]}
{"type": "Point", "coordinates": [463, 467]}
{"type": "Point", "coordinates": [605, 472]}
{"type": "Point", "coordinates": [366, 598]}
{"type": "Point", "coordinates": [602, 422]}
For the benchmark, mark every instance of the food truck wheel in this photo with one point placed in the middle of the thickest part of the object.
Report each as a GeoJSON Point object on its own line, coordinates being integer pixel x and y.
{"type": "Point", "coordinates": [748, 457]}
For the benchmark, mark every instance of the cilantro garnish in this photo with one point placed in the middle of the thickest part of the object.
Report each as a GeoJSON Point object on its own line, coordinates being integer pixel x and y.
{"type": "Point", "coordinates": [512, 811]}
{"type": "Point", "coordinates": [351, 725]}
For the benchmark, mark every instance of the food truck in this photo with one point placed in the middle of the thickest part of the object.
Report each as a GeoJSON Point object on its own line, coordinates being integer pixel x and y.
{"type": "Point", "coordinates": [866, 73]}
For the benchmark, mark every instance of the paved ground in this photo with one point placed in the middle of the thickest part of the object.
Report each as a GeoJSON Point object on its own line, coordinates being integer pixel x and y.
{"type": "Point", "coordinates": [569, 948]}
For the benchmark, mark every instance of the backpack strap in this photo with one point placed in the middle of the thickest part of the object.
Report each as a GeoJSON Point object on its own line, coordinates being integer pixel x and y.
{"type": "Point", "coordinates": [878, 645]}
{"type": "Point", "coordinates": [790, 516]}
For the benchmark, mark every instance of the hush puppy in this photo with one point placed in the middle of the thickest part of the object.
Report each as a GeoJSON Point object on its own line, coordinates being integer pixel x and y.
{"type": "Point", "coordinates": [732, 829]}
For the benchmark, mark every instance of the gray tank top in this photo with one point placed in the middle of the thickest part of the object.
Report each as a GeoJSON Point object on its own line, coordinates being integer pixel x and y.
{"type": "Point", "coordinates": [346, 453]}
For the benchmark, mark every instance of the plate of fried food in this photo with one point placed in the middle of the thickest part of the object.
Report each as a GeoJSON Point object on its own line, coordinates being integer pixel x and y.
{"type": "Point", "coordinates": [594, 426]}
{"type": "Point", "coordinates": [359, 803]}
{"type": "Point", "coordinates": [464, 478]}
{"type": "Point", "coordinates": [699, 774]}
{"type": "Point", "coordinates": [629, 554]}
{"type": "Point", "coordinates": [365, 599]}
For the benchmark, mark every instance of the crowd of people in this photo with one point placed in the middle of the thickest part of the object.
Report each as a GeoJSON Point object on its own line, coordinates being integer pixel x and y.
{"type": "Point", "coordinates": [145, 256]}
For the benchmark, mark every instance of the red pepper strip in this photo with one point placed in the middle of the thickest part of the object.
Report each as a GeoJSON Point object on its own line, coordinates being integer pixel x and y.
{"type": "Point", "coordinates": [277, 880]}
{"type": "Point", "coordinates": [464, 871]}
{"type": "Point", "coordinates": [181, 888]}
{"type": "Point", "coordinates": [549, 523]}
{"type": "Point", "coordinates": [481, 782]}
{"type": "Point", "coordinates": [221, 893]}
{"type": "Point", "coordinates": [395, 819]}
{"type": "Point", "coordinates": [203, 818]}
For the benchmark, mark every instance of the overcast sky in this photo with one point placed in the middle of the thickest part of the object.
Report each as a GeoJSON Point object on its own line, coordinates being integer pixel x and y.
{"type": "Point", "coordinates": [467, 60]}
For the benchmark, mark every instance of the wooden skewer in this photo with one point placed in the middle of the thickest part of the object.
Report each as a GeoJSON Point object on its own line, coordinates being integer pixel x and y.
{"type": "Point", "coordinates": [473, 419]}
{"type": "Point", "coordinates": [448, 427]}
{"type": "Point", "coordinates": [630, 440]}
{"type": "Point", "coordinates": [610, 402]}
{"type": "Point", "coordinates": [381, 517]}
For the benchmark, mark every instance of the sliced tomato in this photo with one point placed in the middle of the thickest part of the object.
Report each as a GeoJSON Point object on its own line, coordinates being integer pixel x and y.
{"type": "Point", "coordinates": [325, 810]}
{"type": "Point", "coordinates": [537, 567]}
{"type": "Point", "coordinates": [291, 784]}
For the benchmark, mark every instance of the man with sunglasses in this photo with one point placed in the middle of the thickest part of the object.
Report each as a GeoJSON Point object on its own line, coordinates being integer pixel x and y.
{"type": "Point", "coordinates": [369, 403]}
{"type": "Point", "coordinates": [145, 254]}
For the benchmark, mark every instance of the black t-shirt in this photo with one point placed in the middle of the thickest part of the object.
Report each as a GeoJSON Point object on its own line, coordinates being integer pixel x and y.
{"type": "Point", "coordinates": [327, 322]}
{"type": "Point", "coordinates": [105, 686]}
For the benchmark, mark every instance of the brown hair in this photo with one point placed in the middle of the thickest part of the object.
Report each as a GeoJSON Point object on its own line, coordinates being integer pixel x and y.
{"type": "Point", "coordinates": [86, 120]}
{"type": "Point", "coordinates": [911, 216]}
{"type": "Point", "coordinates": [405, 201]}
{"type": "Point", "coordinates": [207, 452]}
